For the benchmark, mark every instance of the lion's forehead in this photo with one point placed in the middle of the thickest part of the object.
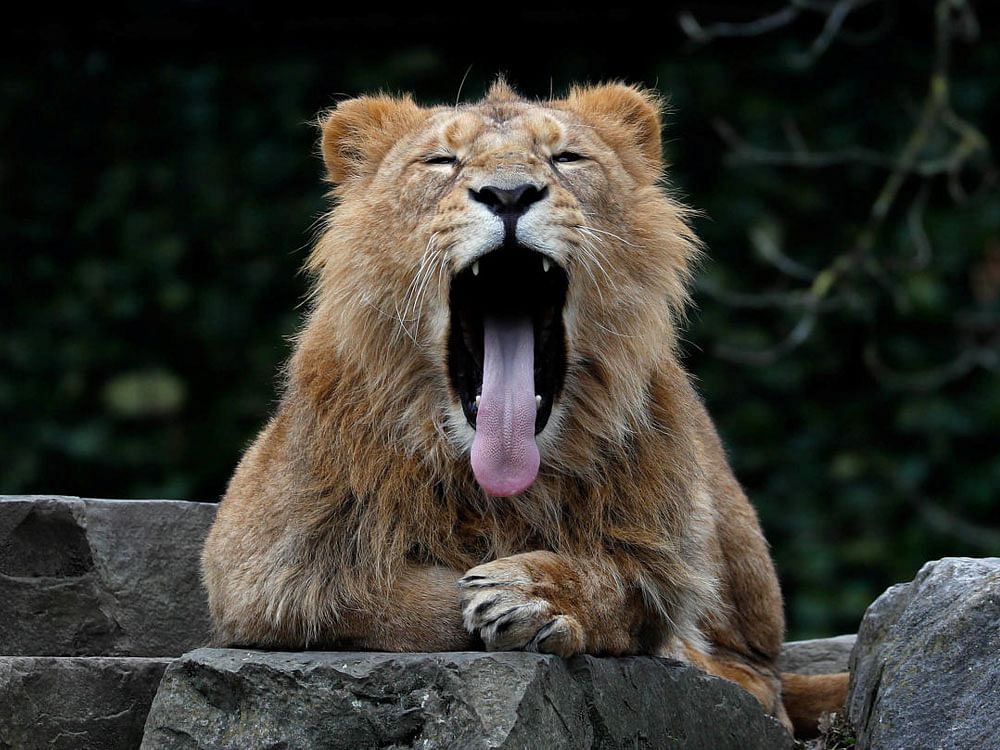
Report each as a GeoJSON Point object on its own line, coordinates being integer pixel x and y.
{"type": "Point", "coordinates": [513, 128]}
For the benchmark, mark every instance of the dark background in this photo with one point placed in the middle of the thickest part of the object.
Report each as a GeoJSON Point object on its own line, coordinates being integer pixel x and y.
{"type": "Point", "coordinates": [159, 188]}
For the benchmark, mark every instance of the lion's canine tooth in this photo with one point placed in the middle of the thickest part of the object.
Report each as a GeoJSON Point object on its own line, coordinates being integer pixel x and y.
{"type": "Point", "coordinates": [478, 399]}
{"type": "Point", "coordinates": [475, 268]}
{"type": "Point", "coordinates": [538, 401]}
{"type": "Point", "coordinates": [546, 264]}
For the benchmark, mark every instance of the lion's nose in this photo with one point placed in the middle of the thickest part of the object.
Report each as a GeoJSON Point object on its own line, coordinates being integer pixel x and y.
{"type": "Point", "coordinates": [509, 204]}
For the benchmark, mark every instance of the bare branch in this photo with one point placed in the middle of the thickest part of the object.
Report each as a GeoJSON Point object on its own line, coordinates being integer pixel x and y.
{"type": "Point", "coordinates": [944, 521]}
{"type": "Point", "coordinates": [760, 357]}
{"type": "Point", "coordinates": [834, 21]}
{"type": "Point", "coordinates": [836, 14]}
{"type": "Point", "coordinates": [935, 120]}
{"type": "Point", "coordinates": [698, 33]}
{"type": "Point", "coordinates": [743, 152]}
{"type": "Point", "coordinates": [964, 362]}
{"type": "Point", "coordinates": [766, 240]}
{"type": "Point", "coordinates": [793, 135]}
{"type": "Point", "coordinates": [793, 300]}
{"type": "Point", "coordinates": [918, 232]}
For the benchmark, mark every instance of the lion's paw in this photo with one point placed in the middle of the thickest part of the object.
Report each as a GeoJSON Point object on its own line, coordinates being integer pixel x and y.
{"type": "Point", "coordinates": [500, 603]}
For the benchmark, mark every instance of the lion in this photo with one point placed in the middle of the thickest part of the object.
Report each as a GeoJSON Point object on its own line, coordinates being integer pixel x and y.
{"type": "Point", "coordinates": [486, 438]}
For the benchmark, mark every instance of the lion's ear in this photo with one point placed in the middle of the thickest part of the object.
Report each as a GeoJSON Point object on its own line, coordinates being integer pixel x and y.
{"type": "Point", "coordinates": [358, 133]}
{"type": "Point", "coordinates": [627, 116]}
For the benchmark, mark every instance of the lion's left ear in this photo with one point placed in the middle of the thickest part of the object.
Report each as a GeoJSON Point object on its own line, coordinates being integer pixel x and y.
{"type": "Point", "coordinates": [359, 133]}
{"type": "Point", "coordinates": [626, 116]}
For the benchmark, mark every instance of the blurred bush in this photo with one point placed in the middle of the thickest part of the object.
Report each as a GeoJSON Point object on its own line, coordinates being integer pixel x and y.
{"type": "Point", "coordinates": [160, 187]}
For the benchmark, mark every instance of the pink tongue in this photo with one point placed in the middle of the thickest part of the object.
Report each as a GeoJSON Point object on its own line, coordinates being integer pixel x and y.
{"type": "Point", "coordinates": [504, 454]}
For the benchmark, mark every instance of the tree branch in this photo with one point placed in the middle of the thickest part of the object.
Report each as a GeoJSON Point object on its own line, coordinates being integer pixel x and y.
{"type": "Point", "coordinates": [936, 121]}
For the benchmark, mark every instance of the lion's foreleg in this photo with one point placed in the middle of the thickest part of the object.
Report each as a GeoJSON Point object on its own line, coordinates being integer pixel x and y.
{"type": "Point", "coordinates": [417, 611]}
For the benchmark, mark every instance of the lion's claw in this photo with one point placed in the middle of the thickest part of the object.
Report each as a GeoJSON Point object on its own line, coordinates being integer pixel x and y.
{"type": "Point", "coordinates": [508, 616]}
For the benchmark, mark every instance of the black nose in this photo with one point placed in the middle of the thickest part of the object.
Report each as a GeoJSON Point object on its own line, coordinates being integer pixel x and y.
{"type": "Point", "coordinates": [509, 204]}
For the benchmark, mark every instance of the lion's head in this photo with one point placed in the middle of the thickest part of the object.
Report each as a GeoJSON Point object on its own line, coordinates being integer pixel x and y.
{"type": "Point", "coordinates": [501, 278]}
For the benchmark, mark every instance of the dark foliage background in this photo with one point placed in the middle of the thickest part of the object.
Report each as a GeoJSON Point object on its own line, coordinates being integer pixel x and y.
{"type": "Point", "coordinates": [159, 182]}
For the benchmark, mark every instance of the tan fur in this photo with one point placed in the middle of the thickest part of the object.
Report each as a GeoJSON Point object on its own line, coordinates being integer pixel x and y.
{"type": "Point", "coordinates": [351, 520]}
{"type": "Point", "coordinates": [807, 697]}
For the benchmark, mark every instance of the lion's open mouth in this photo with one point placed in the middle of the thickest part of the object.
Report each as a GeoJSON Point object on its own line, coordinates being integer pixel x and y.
{"type": "Point", "coordinates": [507, 359]}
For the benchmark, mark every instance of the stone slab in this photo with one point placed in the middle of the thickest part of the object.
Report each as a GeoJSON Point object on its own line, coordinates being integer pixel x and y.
{"type": "Point", "coordinates": [817, 655]}
{"type": "Point", "coordinates": [75, 703]}
{"type": "Point", "coordinates": [229, 698]}
{"type": "Point", "coordinates": [102, 577]}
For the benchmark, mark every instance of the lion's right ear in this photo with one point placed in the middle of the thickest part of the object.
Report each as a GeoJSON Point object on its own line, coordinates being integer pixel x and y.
{"type": "Point", "coordinates": [358, 133]}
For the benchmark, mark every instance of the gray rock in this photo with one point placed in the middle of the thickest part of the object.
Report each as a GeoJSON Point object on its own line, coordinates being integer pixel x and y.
{"type": "Point", "coordinates": [225, 698]}
{"type": "Point", "coordinates": [101, 577]}
{"type": "Point", "coordinates": [817, 656]}
{"type": "Point", "coordinates": [75, 703]}
{"type": "Point", "coordinates": [925, 672]}
{"type": "Point", "coordinates": [644, 702]}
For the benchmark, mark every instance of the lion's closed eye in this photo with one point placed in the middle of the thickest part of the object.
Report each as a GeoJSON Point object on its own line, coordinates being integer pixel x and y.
{"type": "Point", "coordinates": [436, 159]}
{"type": "Point", "coordinates": [566, 157]}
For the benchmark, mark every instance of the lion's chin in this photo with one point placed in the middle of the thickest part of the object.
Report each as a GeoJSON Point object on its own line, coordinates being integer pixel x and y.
{"type": "Point", "coordinates": [507, 359]}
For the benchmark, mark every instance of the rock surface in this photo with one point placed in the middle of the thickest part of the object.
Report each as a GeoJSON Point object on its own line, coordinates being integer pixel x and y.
{"type": "Point", "coordinates": [82, 703]}
{"type": "Point", "coordinates": [92, 577]}
{"type": "Point", "coordinates": [227, 698]}
{"type": "Point", "coordinates": [817, 656]}
{"type": "Point", "coordinates": [926, 669]}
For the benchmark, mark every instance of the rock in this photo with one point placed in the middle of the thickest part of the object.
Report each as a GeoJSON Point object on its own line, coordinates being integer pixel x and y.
{"type": "Point", "coordinates": [817, 656]}
{"type": "Point", "coordinates": [227, 698]}
{"type": "Point", "coordinates": [81, 703]}
{"type": "Point", "coordinates": [926, 668]}
{"type": "Point", "coordinates": [648, 702]}
{"type": "Point", "coordinates": [101, 577]}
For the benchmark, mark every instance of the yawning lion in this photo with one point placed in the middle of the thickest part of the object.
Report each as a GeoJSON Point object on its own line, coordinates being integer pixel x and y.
{"type": "Point", "coordinates": [486, 438]}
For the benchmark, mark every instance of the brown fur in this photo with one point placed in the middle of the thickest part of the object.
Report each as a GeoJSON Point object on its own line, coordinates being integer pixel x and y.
{"type": "Point", "coordinates": [807, 697]}
{"type": "Point", "coordinates": [354, 520]}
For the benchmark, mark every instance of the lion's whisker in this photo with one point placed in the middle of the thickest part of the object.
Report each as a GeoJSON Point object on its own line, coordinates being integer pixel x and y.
{"type": "Point", "coordinates": [399, 317]}
{"type": "Point", "coordinates": [423, 276]}
{"type": "Point", "coordinates": [440, 260]}
{"type": "Point", "coordinates": [591, 232]}
{"type": "Point", "coordinates": [586, 267]}
{"type": "Point", "coordinates": [422, 291]}
{"type": "Point", "coordinates": [412, 287]}
{"type": "Point", "coordinates": [414, 292]}
{"type": "Point", "coordinates": [592, 251]}
{"type": "Point", "coordinates": [612, 234]}
{"type": "Point", "coordinates": [425, 260]}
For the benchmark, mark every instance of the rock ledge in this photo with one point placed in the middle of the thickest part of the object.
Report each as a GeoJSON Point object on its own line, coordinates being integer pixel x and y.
{"type": "Point", "coordinates": [227, 698]}
{"type": "Point", "coordinates": [75, 703]}
{"type": "Point", "coordinates": [81, 577]}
